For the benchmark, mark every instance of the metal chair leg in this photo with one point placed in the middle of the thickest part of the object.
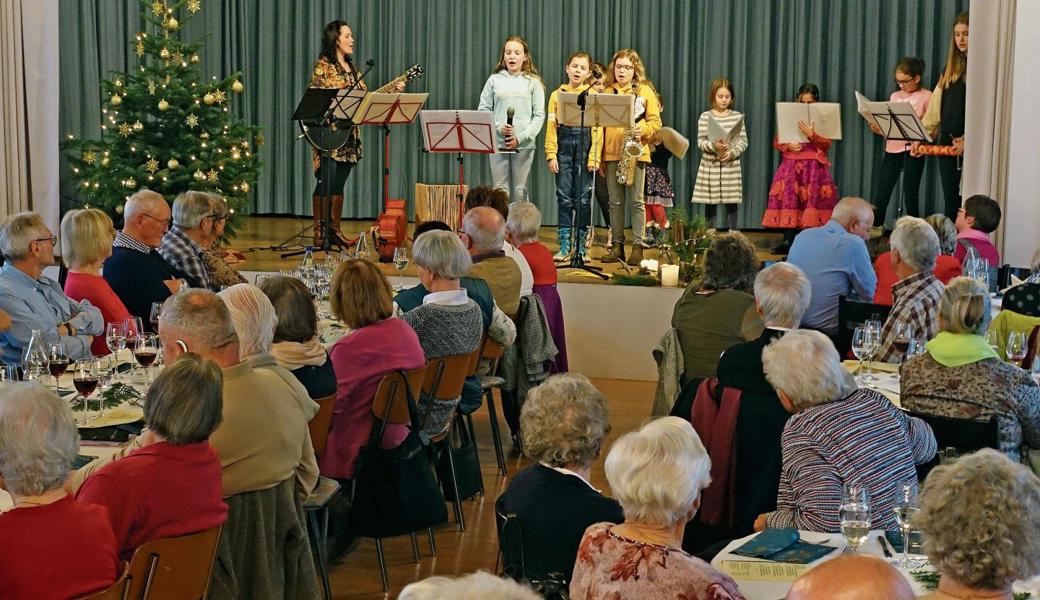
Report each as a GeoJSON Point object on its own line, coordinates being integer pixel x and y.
{"type": "Point", "coordinates": [496, 434]}
{"type": "Point", "coordinates": [454, 486]}
{"type": "Point", "coordinates": [415, 547]}
{"type": "Point", "coordinates": [318, 524]}
{"type": "Point", "coordinates": [382, 565]}
{"type": "Point", "coordinates": [472, 436]}
{"type": "Point", "coordinates": [433, 545]}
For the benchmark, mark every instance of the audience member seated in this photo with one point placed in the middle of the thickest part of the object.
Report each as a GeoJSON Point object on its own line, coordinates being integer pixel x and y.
{"type": "Point", "coordinates": [170, 486]}
{"type": "Point", "coordinates": [979, 217]}
{"type": "Point", "coordinates": [219, 272]}
{"type": "Point", "coordinates": [657, 473]}
{"type": "Point", "coordinates": [852, 577]}
{"type": "Point", "coordinates": [1024, 298]}
{"type": "Point", "coordinates": [564, 422]}
{"type": "Point", "coordinates": [35, 301]}
{"type": "Point", "coordinates": [499, 200]}
{"type": "Point", "coordinates": [182, 245]}
{"type": "Point", "coordinates": [379, 343]}
{"type": "Point", "coordinates": [475, 586]}
{"type": "Point", "coordinates": [979, 521]}
{"type": "Point", "coordinates": [483, 234]}
{"type": "Point", "coordinates": [137, 273]}
{"type": "Point", "coordinates": [522, 231]}
{"type": "Point", "coordinates": [781, 297]}
{"type": "Point", "coordinates": [87, 236]}
{"type": "Point", "coordinates": [915, 247]}
{"type": "Point", "coordinates": [719, 312]}
{"type": "Point", "coordinates": [296, 344]}
{"type": "Point", "coordinates": [946, 266]}
{"type": "Point", "coordinates": [51, 545]}
{"type": "Point", "coordinates": [448, 323]}
{"type": "Point", "coordinates": [835, 259]}
{"type": "Point", "coordinates": [838, 434]}
{"type": "Point", "coordinates": [960, 375]}
{"type": "Point", "coordinates": [263, 439]}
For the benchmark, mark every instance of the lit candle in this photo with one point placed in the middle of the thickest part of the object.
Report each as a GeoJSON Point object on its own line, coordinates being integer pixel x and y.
{"type": "Point", "coordinates": [652, 264]}
{"type": "Point", "coordinates": [670, 275]}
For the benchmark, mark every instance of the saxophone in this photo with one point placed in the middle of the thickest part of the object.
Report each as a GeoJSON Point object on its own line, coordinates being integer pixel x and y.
{"type": "Point", "coordinates": [631, 149]}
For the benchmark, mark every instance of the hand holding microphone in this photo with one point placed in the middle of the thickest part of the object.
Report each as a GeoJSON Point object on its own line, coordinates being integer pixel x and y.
{"type": "Point", "coordinates": [511, 142]}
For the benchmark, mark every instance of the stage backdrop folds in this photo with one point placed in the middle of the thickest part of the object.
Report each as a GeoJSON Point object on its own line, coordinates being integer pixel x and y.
{"type": "Point", "coordinates": [766, 47]}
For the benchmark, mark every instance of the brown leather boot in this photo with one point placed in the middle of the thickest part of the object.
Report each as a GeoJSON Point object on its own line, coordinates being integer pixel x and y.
{"type": "Point", "coordinates": [318, 208]}
{"type": "Point", "coordinates": [337, 217]}
{"type": "Point", "coordinates": [618, 256]}
{"type": "Point", "coordinates": [636, 256]}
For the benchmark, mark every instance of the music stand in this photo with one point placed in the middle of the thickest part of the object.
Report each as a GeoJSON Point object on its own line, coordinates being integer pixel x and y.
{"type": "Point", "coordinates": [385, 110]}
{"type": "Point", "coordinates": [898, 123]}
{"type": "Point", "coordinates": [592, 110]}
{"type": "Point", "coordinates": [459, 132]}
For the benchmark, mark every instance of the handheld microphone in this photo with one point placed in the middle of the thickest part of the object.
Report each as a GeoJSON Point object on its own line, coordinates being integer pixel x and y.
{"type": "Point", "coordinates": [370, 62]}
{"type": "Point", "coordinates": [509, 115]}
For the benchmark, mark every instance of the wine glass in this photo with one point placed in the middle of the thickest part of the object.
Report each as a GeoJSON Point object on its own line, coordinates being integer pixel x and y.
{"type": "Point", "coordinates": [10, 372]}
{"type": "Point", "coordinates": [153, 315]}
{"type": "Point", "coordinates": [400, 259]}
{"type": "Point", "coordinates": [85, 376]}
{"type": "Point", "coordinates": [134, 330]}
{"type": "Point", "coordinates": [916, 347]}
{"type": "Point", "coordinates": [57, 362]}
{"type": "Point", "coordinates": [993, 339]}
{"type": "Point", "coordinates": [145, 351]}
{"type": "Point", "coordinates": [903, 335]}
{"type": "Point", "coordinates": [115, 339]}
{"type": "Point", "coordinates": [855, 514]}
{"type": "Point", "coordinates": [906, 509]}
{"type": "Point", "coordinates": [874, 334]}
{"type": "Point", "coordinates": [1016, 347]}
{"type": "Point", "coordinates": [860, 347]}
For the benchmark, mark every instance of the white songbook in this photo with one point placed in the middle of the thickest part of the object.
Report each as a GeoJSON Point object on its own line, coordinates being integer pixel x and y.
{"type": "Point", "coordinates": [716, 130]}
{"type": "Point", "coordinates": [825, 118]}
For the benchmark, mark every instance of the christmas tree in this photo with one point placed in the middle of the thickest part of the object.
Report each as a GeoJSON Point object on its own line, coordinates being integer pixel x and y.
{"type": "Point", "coordinates": [165, 127]}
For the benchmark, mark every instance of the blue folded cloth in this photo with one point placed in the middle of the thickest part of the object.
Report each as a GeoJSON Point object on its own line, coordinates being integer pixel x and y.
{"type": "Point", "coordinates": [895, 538]}
{"type": "Point", "coordinates": [783, 545]}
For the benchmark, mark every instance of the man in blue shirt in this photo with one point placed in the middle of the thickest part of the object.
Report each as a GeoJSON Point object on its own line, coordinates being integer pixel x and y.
{"type": "Point", "coordinates": [37, 302]}
{"type": "Point", "coordinates": [835, 259]}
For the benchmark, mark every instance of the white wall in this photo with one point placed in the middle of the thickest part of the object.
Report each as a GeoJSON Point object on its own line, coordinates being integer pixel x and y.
{"type": "Point", "coordinates": [1022, 215]}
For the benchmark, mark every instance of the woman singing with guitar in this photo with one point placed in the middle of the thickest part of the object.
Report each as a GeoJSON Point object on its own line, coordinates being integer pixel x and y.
{"type": "Point", "coordinates": [335, 69]}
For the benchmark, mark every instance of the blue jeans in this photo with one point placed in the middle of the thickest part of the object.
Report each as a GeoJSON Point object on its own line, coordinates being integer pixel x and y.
{"type": "Point", "coordinates": [572, 156]}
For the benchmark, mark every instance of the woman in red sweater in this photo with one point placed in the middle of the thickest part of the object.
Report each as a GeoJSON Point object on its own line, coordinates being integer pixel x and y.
{"type": "Point", "coordinates": [946, 264]}
{"type": "Point", "coordinates": [86, 241]}
{"type": "Point", "coordinates": [51, 545]}
{"type": "Point", "coordinates": [522, 231]}
{"type": "Point", "coordinates": [170, 486]}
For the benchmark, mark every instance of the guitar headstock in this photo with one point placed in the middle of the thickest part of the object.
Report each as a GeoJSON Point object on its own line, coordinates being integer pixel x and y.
{"type": "Point", "coordinates": [416, 71]}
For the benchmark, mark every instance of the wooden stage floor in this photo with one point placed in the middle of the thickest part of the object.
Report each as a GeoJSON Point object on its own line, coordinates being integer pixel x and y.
{"type": "Point", "coordinates": [259, 232]}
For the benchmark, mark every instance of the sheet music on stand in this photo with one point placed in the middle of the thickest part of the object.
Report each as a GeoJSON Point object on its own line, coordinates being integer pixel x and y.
{"type": "Point", "coordinates": [825, 118]}
{"type": "Point", "coordinates": [896, 120]}
{"type": "Point", "coordinates": [470, 131]}
{"type": "Point", "coordinates": [389, 109]}
{"type": "Point", "coordinates": [347, 103]}
{"type": "Point", "coordinates": [601, 110]}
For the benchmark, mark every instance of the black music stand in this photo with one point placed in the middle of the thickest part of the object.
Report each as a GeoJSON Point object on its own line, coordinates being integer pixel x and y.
{"type": "Point", "coordinates": [900, 124]}
{"type": "Point", "coordinates": [459, 132]}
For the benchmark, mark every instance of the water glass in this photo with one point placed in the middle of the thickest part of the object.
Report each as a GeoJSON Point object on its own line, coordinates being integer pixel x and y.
{"type": "Point", "coordinates": [993, 339]}
{"type": "Point", "coordinates": [916, 347]}
{"type": "Point", "coordinates": [10, 373]}
{"type": "Point", "coordinates": [906, 509]}
{"type": "Point", "coordinates": [860, 347]}
{"type": "Point", "coordinates": [855, 514]}
{"type": "Point", "coordinates": [1016, 347]}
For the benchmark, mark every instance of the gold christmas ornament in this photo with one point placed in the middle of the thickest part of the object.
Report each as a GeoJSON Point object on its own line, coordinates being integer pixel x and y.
{"type": "Point", "coordinates": [116, 100]}
{"type": "Point", "coordinates": [194, 6]}
{"type": "Point", "coordinates": [172, 163]}
{"type": "Point", "coordinates": [199, 175]}
{"type": "Point", "coordinates": [139, 49]}
{"type": "Point", "coordinates": [104, 162]}
{"type": "Point", "coordinates": [151, 166]}
{"type": "Point", "coordinates": [192, 121]}
{"type": "Point", "coordinates": [158, 8]}
{"type": "Point", "coordinates": [212, 175]}
{"type": "Point", "coordinates": [209, 98]}
{"type": "Point", "coordinates": [194, 59]}
{"type": "Point", "coordinates": [164, 54]}
{"type": "Point", "coordinates": [204, 135]}
{"type": "Point", "coordinates": [120, 209]}
{"type": "Point", "coordinates": [137, 126]}
{"type": "Point", "coordinates": [259, 140]}
{"type": "Point", "coordinates": [219, 96]}
{"type": "Point", "coordinates": [164, 105]}
{"type": "Point", "coordinates": [124, 130]}
{"type": "Point", "coordinates": [245, 187]}
{"type": "Point", "coordinates": [237, 87]}
{"type": "Point", "coordinates": [118, 83]}
{"type": "Point", "coordinates": [172, 24]}
{"type": "Point", "coordinates": [130, 183]}
{"type": "Point", "coordinates": [89, 157]}
{"type": "Point", "coordinates": [151, 87]}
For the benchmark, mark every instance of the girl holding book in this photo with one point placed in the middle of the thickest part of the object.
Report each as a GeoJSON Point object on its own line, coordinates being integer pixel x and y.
{"type": "Point", "coordinates": [719, 178]}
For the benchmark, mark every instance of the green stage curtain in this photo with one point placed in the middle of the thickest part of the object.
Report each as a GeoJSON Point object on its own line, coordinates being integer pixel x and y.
{"type": "Point", "coordinates": [768, 48]}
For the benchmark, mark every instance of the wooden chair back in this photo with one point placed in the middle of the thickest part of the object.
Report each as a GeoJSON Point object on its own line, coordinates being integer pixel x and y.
{"type": "Point", "coordinates": [964, 435]}
{"type": "Point", "coordinates": [174, 568]}
{"type": "Point", "coordinates": [321, 422]}
{"type": "Point", "coordinates": [117, 591]}
{"type": "Point", "coordinates": [391, 401]}
{"type": "Point", "coordinates": [445, 376]}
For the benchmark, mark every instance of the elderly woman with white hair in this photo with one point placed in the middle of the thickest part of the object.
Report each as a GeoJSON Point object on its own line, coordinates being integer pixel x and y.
{"type": "Point", "coordinates": [522, 227]}
{"type": "Point", "coordinates": [220, 273]}
{"type": "Point", "coordinates": [448, 322]}
{"type": "Point", "coordinates": [838, 434]}
{"type": "Point", "coordinates": [960, 376]}
{"type": "Point", "coordinates": [296, 345]}
{"type": "Point", "coordinates": [182, 245]}
{"type": "Point", "coordinates": [979, 520]}
{"type": "Point", "coordinates": [657, 473]}
{"type": "Point", "coordinates": [475, 586]}
{"type": "Point", "coordinates": [564, 422]}
{"type": "Point", "coordinates": [51, 545]}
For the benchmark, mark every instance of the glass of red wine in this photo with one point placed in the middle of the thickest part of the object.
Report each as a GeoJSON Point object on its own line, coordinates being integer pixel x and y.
{"type": "Point", "coordinates": [57, 362]}
{"type": "Point", "coordinates": [153, 315]}
{"type": "Point", "coordinates": [145, 351]}
{"type": "Point", "coordinates": [902, 340]}
{"type": "Point", "coordinates": [134, 330]}
{"type": "Point", "coordinates": [85, 375]}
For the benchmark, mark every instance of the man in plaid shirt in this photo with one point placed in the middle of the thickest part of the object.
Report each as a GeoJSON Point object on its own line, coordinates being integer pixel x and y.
{"type": "Point", "coordinates": [192, 226]}
{"type": "Point", "coordinates": [915, 246]}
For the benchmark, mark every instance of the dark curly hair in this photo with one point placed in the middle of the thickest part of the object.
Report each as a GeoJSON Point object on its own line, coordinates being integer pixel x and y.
{"type": "Point", "coordinates": [730, 263]}
{"type": "Point", "coordinates": [488, 196]}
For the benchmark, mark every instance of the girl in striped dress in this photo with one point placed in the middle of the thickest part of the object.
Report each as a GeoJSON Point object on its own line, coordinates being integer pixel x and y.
{"type": "Point", "coordinates": [719, 178]}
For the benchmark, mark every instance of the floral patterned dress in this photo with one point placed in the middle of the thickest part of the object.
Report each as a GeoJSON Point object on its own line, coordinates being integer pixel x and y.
{"type": "Point", "coordinates": [803, 193]}
{"type": "Point", "coordinates": [330, 75]}
{"type": "Point", "coordinates": [610, 567]}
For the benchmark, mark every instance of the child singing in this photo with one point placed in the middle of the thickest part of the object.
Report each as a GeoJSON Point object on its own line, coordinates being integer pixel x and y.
{"type": "Point", "coordinates": [719, 178]}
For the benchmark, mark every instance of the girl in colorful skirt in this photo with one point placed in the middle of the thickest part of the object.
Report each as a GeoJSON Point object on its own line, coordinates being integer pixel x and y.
{"type": "Point", "coordinates": [659, 193]}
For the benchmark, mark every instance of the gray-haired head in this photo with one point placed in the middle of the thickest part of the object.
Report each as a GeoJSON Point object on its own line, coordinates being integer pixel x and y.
{"type": "Point", "coordinates": [783, 293]}
{"type": "Point", "coordinates": [804, 365]}
{"type": "Point", "coordinates": [185, 404]}
{"type": "Point", "coordinates": [523, 222]}
{"type": "Point", "coordinates": [200, 319]}
{"type": "Point", "coordinates": [442, 253]}
{"type": "Point", "coordinates": [946, 230]}
{"type": "Point", "coordinates": [253, 316]}
{"type": "Point", "coordinates": [475, 586]}
{"type": "Point", "coordinates": [294, 306]}
{"type": "Point", "coordinates": [852, 208]}
{"type": "Point", "coordinates": [916, 242]}
{"type": "Point", "coordinates": [485, 228]}
{"type": "Point", "coordinates": [18, 232]}
{"type": "Point", "coordinates": [564, 421]}
{"type": "Point", "coordinates": [38, 439]}
{"type": "Point", "coordinates": [730, 263]}
{"type": "Point", "coordinates": [190, 208]}
{"type": "Point", "coordinates": [141, 202]}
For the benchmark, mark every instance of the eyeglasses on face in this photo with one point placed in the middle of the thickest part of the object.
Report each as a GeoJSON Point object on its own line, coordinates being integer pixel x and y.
{"type": "Point", "coordinates": [625, 67]}
{"type": "Point", "coordinates": [902, 82]}
{"type": "Point", "coordinates": [163, 222]}
{"type": "Point", "coordinates": [53, 240]}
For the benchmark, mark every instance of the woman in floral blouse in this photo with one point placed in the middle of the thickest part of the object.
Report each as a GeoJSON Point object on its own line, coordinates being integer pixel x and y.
{"type": "Point", "coordinates": [657, 473]}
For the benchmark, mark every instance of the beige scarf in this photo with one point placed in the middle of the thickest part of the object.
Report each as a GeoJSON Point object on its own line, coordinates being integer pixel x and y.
{"type": "Point", "coordinates": [293, 355]}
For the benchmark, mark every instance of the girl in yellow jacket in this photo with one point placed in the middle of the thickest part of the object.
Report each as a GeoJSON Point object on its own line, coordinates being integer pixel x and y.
{"type": "Point", "coordinates": [627, 75]}
{"type": "Point", "coordinates": [567, 150]}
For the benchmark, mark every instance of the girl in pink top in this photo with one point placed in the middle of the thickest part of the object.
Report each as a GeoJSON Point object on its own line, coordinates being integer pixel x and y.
{"type": "Point", "coordinates": [897, 155]}
{"type": "Point", "coordinates": [803, 193]}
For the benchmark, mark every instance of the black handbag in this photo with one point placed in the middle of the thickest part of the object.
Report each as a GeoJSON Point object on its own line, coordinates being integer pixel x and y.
{"type": "Point", "coordinates": [396, 489]}
{"type": "Point", "coordinates": [467, 469]}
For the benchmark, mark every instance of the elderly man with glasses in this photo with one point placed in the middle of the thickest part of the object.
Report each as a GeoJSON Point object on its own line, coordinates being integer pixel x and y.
{"type": "Point", "coordinates": [138, 274]}
{"type": "Point", "coordinates": [34, 301]}
{"type": "Point", "coordinates": [184, 243]}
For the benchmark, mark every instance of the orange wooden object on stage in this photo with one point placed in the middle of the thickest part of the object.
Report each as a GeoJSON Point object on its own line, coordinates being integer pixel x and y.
{"type": "Point", "coordinates": [391, 229]}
